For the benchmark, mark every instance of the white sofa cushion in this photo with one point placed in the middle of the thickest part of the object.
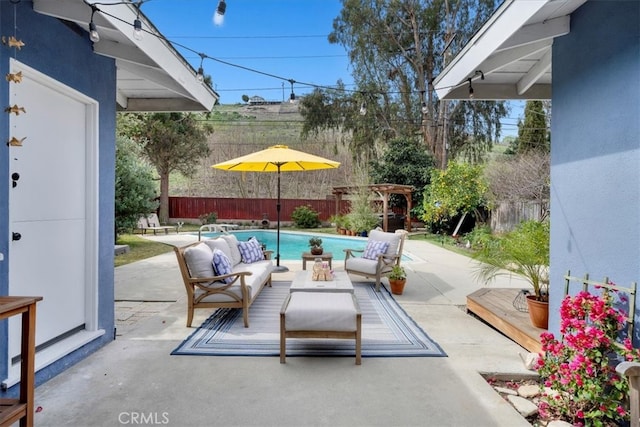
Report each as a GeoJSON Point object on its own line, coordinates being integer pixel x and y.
{"type": "Point", "coordinates": [320, 311]}
{"type": "Point", "coordinates": [198, 259]}
{"type": "Point", "coordinates": [232, 241]}
{"type": "Point", "coordinates": [259, 273]}
{"type": "Point", "coordinates": [220, 244]}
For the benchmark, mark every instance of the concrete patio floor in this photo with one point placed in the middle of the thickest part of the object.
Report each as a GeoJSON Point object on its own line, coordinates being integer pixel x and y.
{"type": "Point", "coordinates": [134, 380]}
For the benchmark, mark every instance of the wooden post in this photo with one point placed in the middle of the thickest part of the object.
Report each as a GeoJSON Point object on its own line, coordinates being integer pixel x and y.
{"type": "Point", "coordinates": [631, 370]}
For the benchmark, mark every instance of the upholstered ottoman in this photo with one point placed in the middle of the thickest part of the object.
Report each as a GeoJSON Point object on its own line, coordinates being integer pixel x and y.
{"type": "Point", "coordinates": [320, 315]}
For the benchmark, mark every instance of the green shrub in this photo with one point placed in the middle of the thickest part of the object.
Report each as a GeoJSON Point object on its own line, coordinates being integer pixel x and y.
{"type": "Point", "coordinates": [208, 218]}
{"type": "Point", "coordinates": [479, 237]}
{"type": "Point", "coordinates": [305, 217]}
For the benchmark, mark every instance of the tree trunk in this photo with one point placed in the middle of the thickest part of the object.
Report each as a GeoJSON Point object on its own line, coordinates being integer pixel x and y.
{"type": "Point", "coordinates": [163, 213]}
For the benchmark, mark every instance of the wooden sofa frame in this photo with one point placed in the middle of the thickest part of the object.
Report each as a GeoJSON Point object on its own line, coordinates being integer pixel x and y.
{"type": "Point", "coordinates": [193, 283]}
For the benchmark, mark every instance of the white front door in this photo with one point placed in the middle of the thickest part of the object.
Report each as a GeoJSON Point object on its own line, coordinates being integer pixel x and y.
{"type": "Point", "coordinates": [52, 211]}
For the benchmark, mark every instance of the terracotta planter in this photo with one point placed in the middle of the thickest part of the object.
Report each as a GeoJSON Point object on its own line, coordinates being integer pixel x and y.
{"type": "Point", "coordinates": [397, 286]}
{"type": "Point", "coordinates": [538, 312]}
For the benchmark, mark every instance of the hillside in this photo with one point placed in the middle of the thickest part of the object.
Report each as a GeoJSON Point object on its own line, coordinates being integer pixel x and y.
{"type": "Point", "coordinates": [242, 129]}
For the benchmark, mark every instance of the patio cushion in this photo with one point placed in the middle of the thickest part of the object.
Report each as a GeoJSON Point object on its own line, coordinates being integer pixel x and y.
{"type": "Point", "coordinates": [363, 265]}
{"type": "Point", "coordinates": [198, 259]}
{"type": "Point", "coordinates": [220, 244]}
{"type": "Point", "coordinates": [251, 251]}
{"type": "Point", "coordinates": [320, 311]}
{"type": "Point", "coordinates": [222, 265]}
{"type": "Point", "coordinates": [392, 238]}
{"type": "Point", "coordinates": [232, 241]}
{"type": "Point", "coordinates": [375, 248]}
{"type": "Point", "coordinates": [260, 273]}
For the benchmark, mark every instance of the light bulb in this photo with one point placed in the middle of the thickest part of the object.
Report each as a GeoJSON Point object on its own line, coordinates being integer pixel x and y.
{"type": "Point", "coordinates": [93, 33]}
{"type": "Point", "coordinates": [218, 17]}
{"type": "Point", "coordinates": [424, 108]}
{"type": "Point", "coordinates": [363, 109]}
{"type": "Point", "coordinates": [200, 75]}
{"type": "Point", "coordinates": [137, 29]}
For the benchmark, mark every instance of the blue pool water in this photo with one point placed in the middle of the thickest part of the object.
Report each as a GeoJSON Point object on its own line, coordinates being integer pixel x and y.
{"type": "Point", "coordinates": [292, 244]}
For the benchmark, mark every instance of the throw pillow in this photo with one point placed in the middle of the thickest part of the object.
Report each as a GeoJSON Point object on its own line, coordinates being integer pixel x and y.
{"type": "Point", "coordinates": [222, 265]}
{"type": "Point", "coordinates": [374, 248]}
{"type": "Point", "coordinates": [250, 251]}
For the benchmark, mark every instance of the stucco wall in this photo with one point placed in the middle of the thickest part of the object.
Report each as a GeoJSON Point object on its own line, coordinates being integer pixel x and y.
{"type": "Point", "coordinates": [595, 149]}
{"type": "Point", "coordinates": [64, 53]}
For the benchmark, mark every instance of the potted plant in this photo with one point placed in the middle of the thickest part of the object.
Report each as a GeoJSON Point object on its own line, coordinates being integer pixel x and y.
{"type": "Point", "coordinates": [524, 251]}
{"type": "Point", "coordinates": [315, 243]}
{"type": "Point", "coordinates": [397, 279]}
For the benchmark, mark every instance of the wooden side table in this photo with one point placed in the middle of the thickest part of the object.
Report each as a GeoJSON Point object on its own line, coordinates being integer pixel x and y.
{"type": "Point", "coordinates": [308, 256]}
{"type": "Point", "coordinates": [12, 410]}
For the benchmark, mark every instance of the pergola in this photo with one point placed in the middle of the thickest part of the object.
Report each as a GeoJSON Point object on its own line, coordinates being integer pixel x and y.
{"type": "Point", "coordinates": [383, 191]}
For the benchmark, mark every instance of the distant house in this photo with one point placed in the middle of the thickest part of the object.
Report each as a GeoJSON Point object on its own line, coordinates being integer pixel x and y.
{"type": "Point", "coordinates": [257, 100]}
{"type": "Point", "coordinates": [584, 56]}
{"type": "Point", "coordinates": [58, 155]}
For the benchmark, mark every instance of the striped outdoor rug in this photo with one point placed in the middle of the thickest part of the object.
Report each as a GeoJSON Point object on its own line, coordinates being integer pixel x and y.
{"type": "Point", "coordinates": [387, 330]}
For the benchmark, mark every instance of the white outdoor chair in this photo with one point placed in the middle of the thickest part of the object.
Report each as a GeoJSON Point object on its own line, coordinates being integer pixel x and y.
{"type": "Point", "coordinates": [374, 264]}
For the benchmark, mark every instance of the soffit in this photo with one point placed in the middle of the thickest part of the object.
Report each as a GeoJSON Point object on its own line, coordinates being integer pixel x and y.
{"type": "Point", "coordinates": [151, 75]}
{"type": "Point", "coordinates": [512, 51]}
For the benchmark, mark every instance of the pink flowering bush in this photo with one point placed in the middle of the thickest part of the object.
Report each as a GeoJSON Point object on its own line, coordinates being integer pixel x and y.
{"type": "Point", "coordinates": [578, 372]}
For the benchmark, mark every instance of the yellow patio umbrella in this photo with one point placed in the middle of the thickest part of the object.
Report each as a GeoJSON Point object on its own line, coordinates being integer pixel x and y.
{"type": "Point", "coordinates": [277, 158]}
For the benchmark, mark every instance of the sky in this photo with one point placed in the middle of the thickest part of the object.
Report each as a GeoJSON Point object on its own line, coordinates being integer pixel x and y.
{"type": "Point", "coordinates": [284, 38]}
{"type": "Point", "coordinates": [261, 45]}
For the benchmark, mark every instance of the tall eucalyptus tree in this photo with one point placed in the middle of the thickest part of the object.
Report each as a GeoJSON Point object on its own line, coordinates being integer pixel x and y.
{"type": "Point", "coordinates": [396, 49]}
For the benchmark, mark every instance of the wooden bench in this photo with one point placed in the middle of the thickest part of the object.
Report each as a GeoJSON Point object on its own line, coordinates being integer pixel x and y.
{"type": "Point", "coordinates": [320, 315]}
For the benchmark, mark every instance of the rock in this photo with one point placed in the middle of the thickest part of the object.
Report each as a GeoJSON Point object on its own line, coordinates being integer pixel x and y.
{"type": "Point", "coordinates": [529, 390]}
{"type": "Point", "coordinates": [559, 423]}
{"type": "Point", "coordinates": [529, 360]}
{"type": "Point", "coordinates": [525, 407]}
{"type": "Point", "coordinates": [505, 390]}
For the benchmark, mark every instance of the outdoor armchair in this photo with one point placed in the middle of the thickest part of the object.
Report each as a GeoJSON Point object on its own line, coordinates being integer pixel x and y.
{"type": "Point", "coordinates": [382, 252]}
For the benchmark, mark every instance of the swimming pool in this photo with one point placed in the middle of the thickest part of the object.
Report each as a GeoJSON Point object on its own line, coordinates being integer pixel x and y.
{"type": "Point", "coordinates": [292, 244]}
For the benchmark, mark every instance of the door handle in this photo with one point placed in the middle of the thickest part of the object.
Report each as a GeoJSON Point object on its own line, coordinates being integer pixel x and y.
{"type": "Point", "coordinates": [16, 236]}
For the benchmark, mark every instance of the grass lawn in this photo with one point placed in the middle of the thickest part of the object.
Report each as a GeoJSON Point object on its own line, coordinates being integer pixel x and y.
{"type": "Point", "coordinates": [139, 248]}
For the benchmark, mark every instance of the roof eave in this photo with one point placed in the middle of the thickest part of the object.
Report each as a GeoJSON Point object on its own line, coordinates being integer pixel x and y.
{"type": "Point", "coordinates": [505, 22]}
{"type": "Point", "coordinates": [166, 67]}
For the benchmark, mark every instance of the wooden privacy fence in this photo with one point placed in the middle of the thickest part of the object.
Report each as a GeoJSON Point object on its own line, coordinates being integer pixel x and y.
{"type": "Point", "coordinates": [250, 209]}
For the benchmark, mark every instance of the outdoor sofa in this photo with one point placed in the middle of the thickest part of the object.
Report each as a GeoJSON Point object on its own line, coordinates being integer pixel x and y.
{"type": "Point", "coordinates": [235, 282]}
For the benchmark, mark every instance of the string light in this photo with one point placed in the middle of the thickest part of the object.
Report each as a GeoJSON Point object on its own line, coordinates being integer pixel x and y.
{"type": "Point", "coordinates": [363, 109]}
{"type": "Point", "coordinates": [220, 11]}
{"type": "Point", "coordinates": [478, 72]}
{"type": "Point", "coordinates": [292, 97]}
{"type": "Point", "coordinates": [218, 17]}
{"type": "Point", "coordinates": [137, 24]}
{"type": "Point", "coordinates": [200, 73]}
{"type": "Point", "coordinates": [94, 36]}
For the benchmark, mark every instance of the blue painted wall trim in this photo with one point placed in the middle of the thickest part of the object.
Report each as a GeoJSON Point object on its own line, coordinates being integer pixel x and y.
{"type": "Point", "coordinates": [595, 149]}
{"type": "Point", "coordinates": [65, 53]}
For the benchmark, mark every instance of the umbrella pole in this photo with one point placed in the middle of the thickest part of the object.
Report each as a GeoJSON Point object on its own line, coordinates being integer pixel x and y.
{"type": "Point", "coordinates": [278, 268]}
